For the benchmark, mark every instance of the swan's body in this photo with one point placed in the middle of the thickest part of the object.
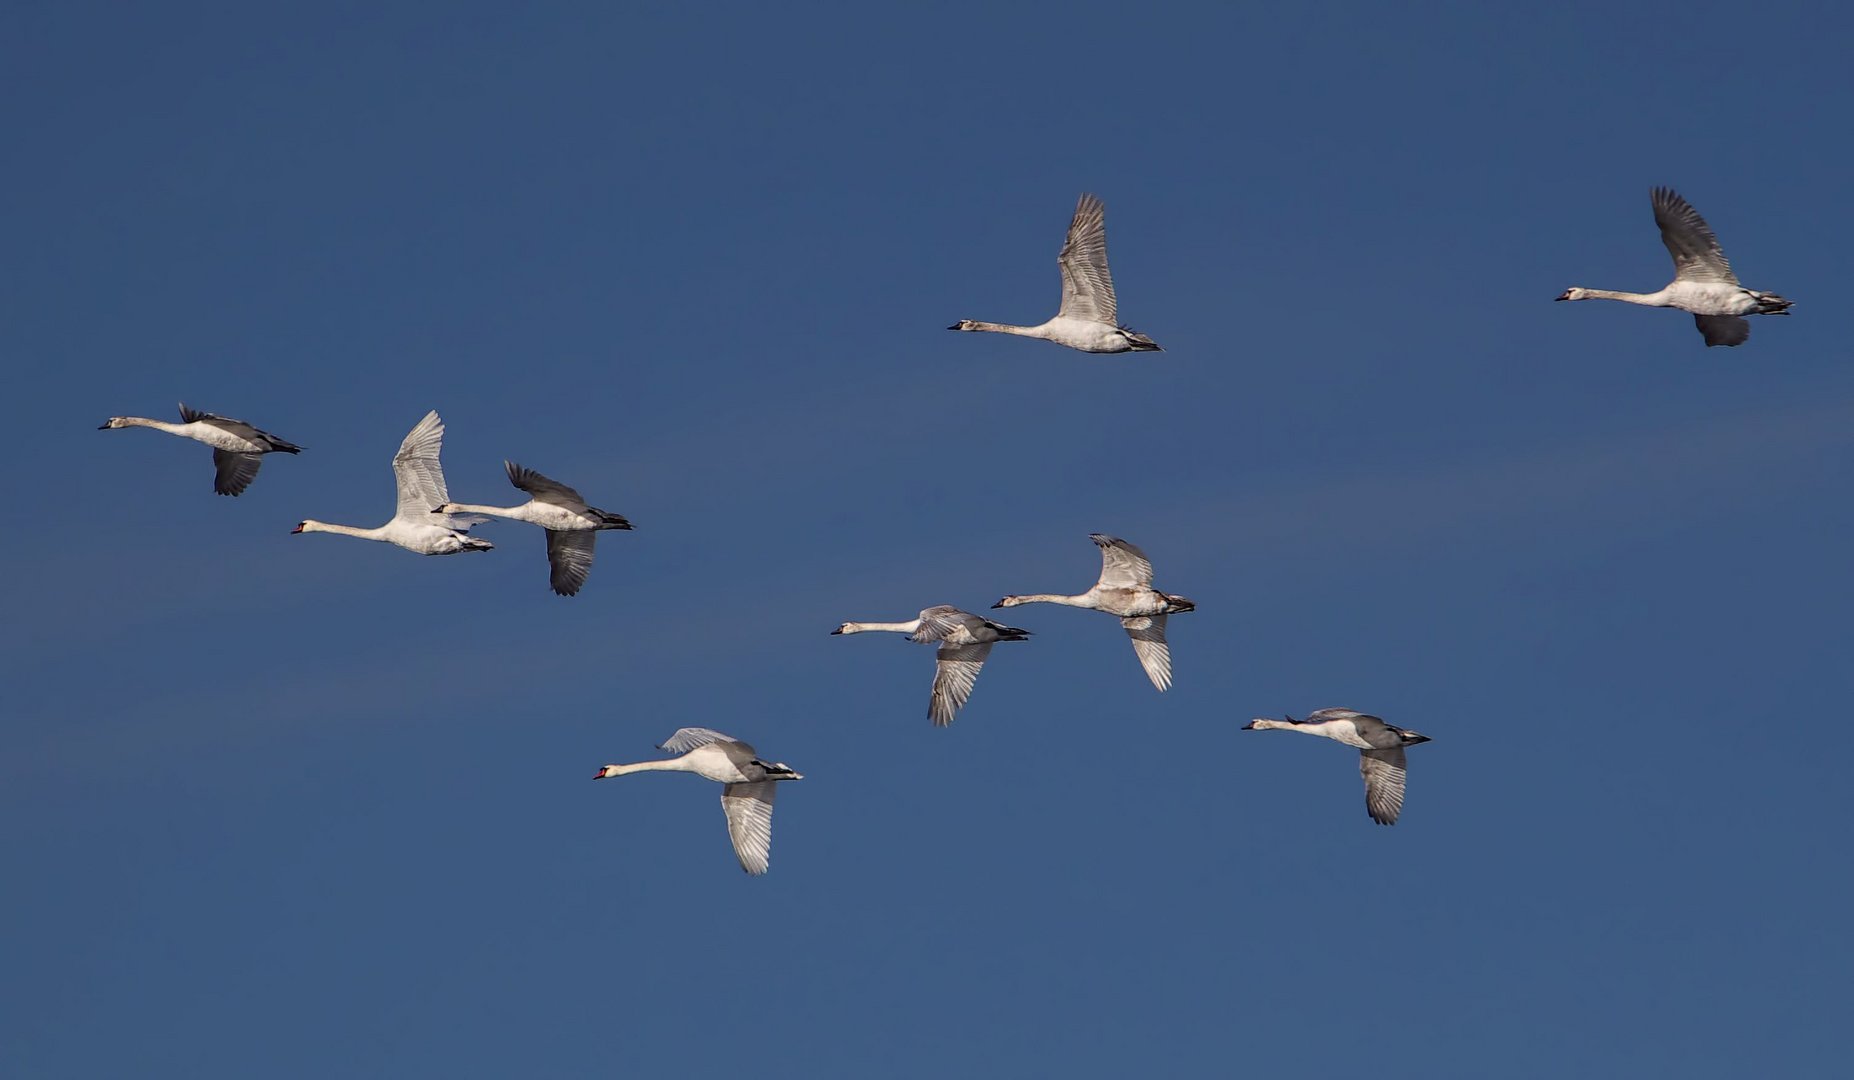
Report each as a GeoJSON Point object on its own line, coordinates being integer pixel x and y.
{"type": "Point", "coordinates": [571, 525]}
{"type": "Point", "coordinates": [965, 641]}
{"type": "Point", "coordinates": [237, 447]}
{"type": "Point", "coordinates": [1088, 318]}
{"type": "Point", "coordinates": [1125, 589]}
{"type": "Point", "coordinates": [748, 797]}
{"type": "Point", "coordinates": [1380, 746]}
{"type": "Point", "coordinates": [420, 480]}
{"type": "Point", "coordinates": [1703, 280]}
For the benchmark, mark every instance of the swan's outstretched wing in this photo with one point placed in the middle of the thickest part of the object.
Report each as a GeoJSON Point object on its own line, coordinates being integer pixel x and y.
{"type": "Point", "coordinates": [223, 423]}
{"type": "Point", "coordinates": [1723, 329]}
{"type": "Point", "coordinates": [569, 555]}
{"type": "Point", "coordinates": [1087, 289]}
{"type": "Point", "coordinates": [1689, 240]}
{"type": "Point", "coordinates": [542, 489]}
{"type": "Point", "coordinates": [749, 822]}
{"type": "Point", "coordinates": [688, 738]}
{"type": "Point", "coordinates": [236, 471]}
{"type": "Point", "coordinates": [1320, 716]}
{"type": "Point", "coordinates": [1383, 773]}
{"type": "Point", "coordinates": [941, 620]}
{"type": "Point", "coordinates": [953, 677]}
{"type": "Point", "coordinates": [1123, 566]}
{"type": "Point", "coordinates": [1148, 634]}
{"type": "Point", "coordinates": [416, 470]}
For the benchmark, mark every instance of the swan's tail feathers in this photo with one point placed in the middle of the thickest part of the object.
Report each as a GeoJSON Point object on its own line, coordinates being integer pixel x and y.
{"type": "Point", "coordinates": [1770, 303]}
{"type": "Point", "coordinates": [1137, 342]}
{"type": "Point", "coordinates": [282, 445]}
{"type": "Point", "coordinates": [1012, 633]}
{"type": "Point", "coordinates": [778, 770]}
{"type": "Point", "coordinates": [474, 543]}
{"type": "Point", "coordinates": [608, 520]}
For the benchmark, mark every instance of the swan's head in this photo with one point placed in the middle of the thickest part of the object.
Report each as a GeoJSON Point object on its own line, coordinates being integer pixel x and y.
{"type": "Point", "coordinates": [1575, 293]}
{"type": "Point", "coordinates": [1009, 601]}
{"type": "Point", "coordinates": [444, 509]}
{"type": "Point", "coordinates": [964, 324]}
{"type": "Point", "coordinates": [303, 526]}
{"type": "Point", "coordinates": [605, 771]}
{"type": "Point", "coordinates": [114, 421]}
{"type": "Point", "coordinates": [846, 628]}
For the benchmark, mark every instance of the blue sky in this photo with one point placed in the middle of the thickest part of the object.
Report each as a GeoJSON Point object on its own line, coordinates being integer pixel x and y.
{"type": "Point", "coordinates": [303, 806]}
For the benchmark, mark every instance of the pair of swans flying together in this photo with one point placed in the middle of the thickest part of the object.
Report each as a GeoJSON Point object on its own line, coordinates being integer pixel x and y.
{"type": "Point", "coordinates": [1124, 589]}
{"type": "Point", "coordinates": [1089, 316]}
{"type": "Point", "coordinates": [746, 798]}
{"type": "Point", "coordinates": [426, 521]}
{"type": "Point", "coordinates": [237, 447]}
{"type": "Point", "coordinates": [1703, 280]}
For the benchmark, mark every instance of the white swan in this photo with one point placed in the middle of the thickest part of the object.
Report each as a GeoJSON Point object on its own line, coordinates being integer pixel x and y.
{"type": "Point", "coordinates": [1088, 317]}
{"type": "Point", "coordinates": [1703, 280]}
{"type": "Point", "coordinates": [1380, 745]}
{"type": "Point", "coordinates": [237, 447]}
{"type": "Point", "coordinates": [748, 797]}
{"type": "Point", "coordinates": [571, 525]}
{"type": "Point", "coordinates": [421, 486]}
{"type": "Point", "coordinates": [965, 641]}
{"type": "Point", "coordinates": [1125, 589]}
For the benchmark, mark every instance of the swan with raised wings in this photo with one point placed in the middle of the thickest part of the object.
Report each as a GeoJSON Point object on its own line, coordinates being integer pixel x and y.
{"type": "Point", "coordinates": [1089, 316]}
{"type": "Point", "coordinates": [1703, 280]}
{"type": "Point", "coordinates": [420, 480]}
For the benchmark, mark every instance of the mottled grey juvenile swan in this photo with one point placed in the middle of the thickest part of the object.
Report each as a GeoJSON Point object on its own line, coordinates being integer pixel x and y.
{"type": "Point", "coordinates": [1380, 748]}
{"type": "Point", "coordinates": [237, 447]}
{"type": "Point", "coordinates": [965, 641]}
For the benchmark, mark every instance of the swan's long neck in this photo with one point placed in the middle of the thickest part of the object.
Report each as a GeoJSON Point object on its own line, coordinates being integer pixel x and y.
{"type": "Point", "coordinates": [158, 425]}
{"type": "Point", "coordinates": [345, 530]}
{"type": "Point", "coordinates": [1078, 600]}
{"type": "Point", "coordinates": [1282, 725]}
{"type": "Point", "coordinates": [672, 765]}
{"type": "Point", "coordinates": [1654, 299]}
{"type": "Point", "coordinates": [896, 627]}
{"type": "Point", "coordinates": [1337, 732]}
{"type": "Point", "coordinates": [1007, 328]}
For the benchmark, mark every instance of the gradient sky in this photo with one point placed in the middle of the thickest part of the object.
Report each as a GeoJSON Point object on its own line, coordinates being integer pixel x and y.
{"type": "Point", "coordinates": [293, 806]}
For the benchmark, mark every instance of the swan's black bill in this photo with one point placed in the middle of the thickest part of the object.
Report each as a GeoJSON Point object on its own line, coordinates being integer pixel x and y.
{"type": "Point", "coordinates": [955, 326]}
{"type": "Point", "coordinates": [839, 630]}
{"type": "Point", "coordinates": [103, 426]}
{"type": "Point", "coordinates": [296, 530]}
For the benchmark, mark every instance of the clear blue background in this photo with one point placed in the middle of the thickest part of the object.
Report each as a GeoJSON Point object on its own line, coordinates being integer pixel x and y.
{"type": "Point", "coordinates": [309, 807]}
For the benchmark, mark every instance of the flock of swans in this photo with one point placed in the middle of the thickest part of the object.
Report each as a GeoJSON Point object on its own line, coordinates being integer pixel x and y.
{"type": "Point", "coordinates": [426, 521]}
